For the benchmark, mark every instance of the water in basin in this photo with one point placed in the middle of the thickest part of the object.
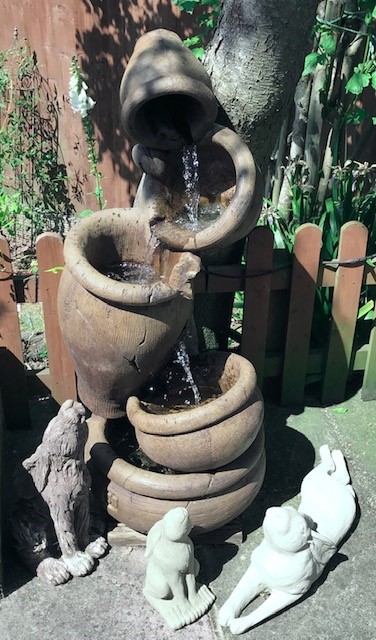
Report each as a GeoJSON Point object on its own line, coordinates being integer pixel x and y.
{"type": "Point", "coordinates": [130, 272]}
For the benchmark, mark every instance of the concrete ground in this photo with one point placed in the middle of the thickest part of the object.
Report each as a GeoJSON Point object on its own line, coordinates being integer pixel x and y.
{"type": "Point", "coordinates": [109, 605]}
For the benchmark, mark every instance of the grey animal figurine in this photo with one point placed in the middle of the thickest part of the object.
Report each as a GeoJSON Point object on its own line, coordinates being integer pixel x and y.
{"type": "Point", "coordinates": [54, 497]}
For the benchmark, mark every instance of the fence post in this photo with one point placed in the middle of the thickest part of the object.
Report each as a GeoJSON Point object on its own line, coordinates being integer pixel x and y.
{"type": "Point", "coordinates": [307, 247]}
{"type": "Point", "coordinates": [258, 275]}
{"type": "Point", "coordinates": [49, 247]}
{"type": "Point", "coordinates": [12, 371]}
{"type": "Point", "coordinates": [347, 287]}
{"type": "Point", "coordinates": [369, 380]}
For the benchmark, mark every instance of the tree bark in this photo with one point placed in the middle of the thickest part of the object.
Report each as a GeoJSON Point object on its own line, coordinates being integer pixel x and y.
{"type": "Point", "coordinates": [254, 60]}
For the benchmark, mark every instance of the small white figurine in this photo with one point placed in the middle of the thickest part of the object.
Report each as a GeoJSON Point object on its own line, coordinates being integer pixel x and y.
{"type": "Point", "coordinates": [170, 584]}
{"type": "Point", "coordinates": [297, 544]}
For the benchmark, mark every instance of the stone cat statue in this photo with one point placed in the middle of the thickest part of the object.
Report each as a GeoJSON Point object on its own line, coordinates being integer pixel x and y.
{"type": "Point", "coordinates": [297, 544]}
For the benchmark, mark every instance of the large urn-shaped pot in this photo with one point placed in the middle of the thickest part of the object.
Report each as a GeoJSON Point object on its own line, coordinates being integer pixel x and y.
{"type": "Point", "coordinates": [119, 333]}
{"type": "Point", "coordinates": [166, 95]}
{"type": "Point", "coordinates": [213, 497]}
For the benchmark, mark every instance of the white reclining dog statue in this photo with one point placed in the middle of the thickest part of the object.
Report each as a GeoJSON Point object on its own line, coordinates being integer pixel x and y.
{"type": "Point", "coordinates": [297, 544]}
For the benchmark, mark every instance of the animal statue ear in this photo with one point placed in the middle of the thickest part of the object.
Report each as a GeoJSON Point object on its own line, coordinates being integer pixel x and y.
{"type": "Point", "coordinates": [38, 466]}
{"type": "Point", "coordinates": [310, 522]}
{"type": "Point", "coordinates": [322, 548]}
{"type": "Point", "coordinates": [153, 538]}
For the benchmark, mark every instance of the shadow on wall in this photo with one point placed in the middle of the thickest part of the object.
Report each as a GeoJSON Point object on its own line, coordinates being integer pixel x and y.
{"type": "Point", "coordinates": [107, 48]}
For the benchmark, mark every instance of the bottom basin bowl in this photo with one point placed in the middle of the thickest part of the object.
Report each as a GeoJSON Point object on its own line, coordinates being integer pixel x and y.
{"type": "Point", "coordinates": [140, 498]}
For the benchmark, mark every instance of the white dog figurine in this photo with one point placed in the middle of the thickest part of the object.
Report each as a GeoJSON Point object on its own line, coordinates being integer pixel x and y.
{"type": "Point", "coordinates": [297, 544]}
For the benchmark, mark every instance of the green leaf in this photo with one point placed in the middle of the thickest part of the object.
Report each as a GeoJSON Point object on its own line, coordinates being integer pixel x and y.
{"type": "Point", "coordinates": [340, 410]}
{"type": "Point", "coordinates": [374, 120]}
{"type": "Point", "coordinates": [187, 5]}
{"type": "Point", "coordinates": [368, 19]}
{"type": "Point", "coordinates": [365, 309]}
{"type": "Point", "coordinates": [198, 52]}
{"type": "Point", "coordinates": [311, 61]}
{"type": "Point", "coordinates": [189, 42]}
{"type": "Point", "coordinates": [328, 43]}
{"type": "Point", "coordinates": [373, 80]}
{"type": "Point", "coordinates": [86, 212]}
{"type": "Point", "coordinates": [356, 115]}
{"type": "Point", "coordinates": [355, 84]}
{"type": "Point", "coordinates": [54, 270]}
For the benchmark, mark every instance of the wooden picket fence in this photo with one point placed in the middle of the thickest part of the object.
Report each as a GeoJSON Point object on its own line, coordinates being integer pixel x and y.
{"type": "Point", "coordinates": [260, 278]}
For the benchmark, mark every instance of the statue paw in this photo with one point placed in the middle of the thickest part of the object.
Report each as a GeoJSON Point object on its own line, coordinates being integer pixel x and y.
{"type": "Point", "coordinates": [177, 616]}
{"type": "Point", "coordinates": [225, 615]}
{"type": "Point", "coordinates": [205, 595]}
{"type": "Point", "coordinates": [97, 548]}
{"type": "Point", "coordinates": [53, 571]}
{"type": "Point", "coordinates": [201, 601]}
{"type": "Point", "coordinates": [79, 564]}
{"type": "Point", "coordinates": [238, 625]}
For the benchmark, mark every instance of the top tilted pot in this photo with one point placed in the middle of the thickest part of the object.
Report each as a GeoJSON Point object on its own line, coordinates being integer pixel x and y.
{"type": "Point", "coordinates": [165, 94]}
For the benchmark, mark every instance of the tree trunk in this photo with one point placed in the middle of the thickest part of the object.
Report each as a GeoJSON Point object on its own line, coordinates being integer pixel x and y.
{"type": "Point", "coordinates": [254, 60]}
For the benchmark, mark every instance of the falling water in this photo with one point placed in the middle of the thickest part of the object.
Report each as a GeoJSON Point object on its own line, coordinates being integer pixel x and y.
{"type": "Point", "coordinates": [183, 360]}
{"type": "Point", "coordinates": [190, 175]}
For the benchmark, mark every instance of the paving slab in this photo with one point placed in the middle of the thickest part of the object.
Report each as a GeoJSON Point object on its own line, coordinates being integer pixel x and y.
{"type": "Point", "coordinates": [109, 605]}
{"type": "Point", "coordinates": [342, 604]}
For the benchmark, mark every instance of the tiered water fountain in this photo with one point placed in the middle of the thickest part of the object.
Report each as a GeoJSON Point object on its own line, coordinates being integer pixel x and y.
{"type": "Point", "coordinates": [126, 298]}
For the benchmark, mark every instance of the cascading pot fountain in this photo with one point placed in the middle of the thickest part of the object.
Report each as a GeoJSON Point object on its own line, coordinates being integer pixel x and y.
{"type": "Point", "coordinates": [120, 333]}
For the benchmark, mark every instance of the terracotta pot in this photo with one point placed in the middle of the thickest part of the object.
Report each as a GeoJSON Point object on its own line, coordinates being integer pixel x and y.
{"type": "Point", "coordinates": [165, 94]}
{"type": "Point", "coordinates": [228, 177]}
{"type": "Point", "coordinates": [119, 333]}
{"type": "Point", "coordinates": [212, 434]}
{"type": "Point", "coordinates": [139, 498]}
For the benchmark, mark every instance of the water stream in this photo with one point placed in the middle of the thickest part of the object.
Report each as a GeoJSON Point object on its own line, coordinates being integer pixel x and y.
{"type": "Point", "coordinates": [183, 359]}
{"type": "Point", "coordinates": [191, 182]}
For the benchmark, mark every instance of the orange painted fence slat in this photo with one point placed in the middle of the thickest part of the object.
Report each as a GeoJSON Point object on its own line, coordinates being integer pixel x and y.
{"type": "Point", "coordinates": [259, 260]}
{"type": "Point", "coordinates": [12, 370]}
{"type": "Point", "coordinates": [303, 286]}
{"type": "Point", "coordinates": [347, 288]}
{"type": "Point", "coordinates": [49, 248]}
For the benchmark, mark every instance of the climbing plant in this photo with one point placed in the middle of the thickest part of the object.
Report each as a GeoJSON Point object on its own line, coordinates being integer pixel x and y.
{"type": "Point", "coordinates": [317, 176]}
{"type": "Point", "coordinates": [33, 179]}
{"type": "Point", "coordinates": [82, 103]}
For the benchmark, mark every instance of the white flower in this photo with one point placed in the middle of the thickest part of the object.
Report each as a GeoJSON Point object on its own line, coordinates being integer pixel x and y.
{"type": "Point", "coordinates": [79, 100]}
